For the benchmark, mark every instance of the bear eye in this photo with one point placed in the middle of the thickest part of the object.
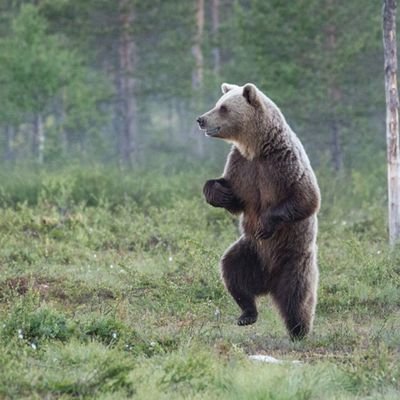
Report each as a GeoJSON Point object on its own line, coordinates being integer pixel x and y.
{"type": "Point", "coordinates": [223, 109]}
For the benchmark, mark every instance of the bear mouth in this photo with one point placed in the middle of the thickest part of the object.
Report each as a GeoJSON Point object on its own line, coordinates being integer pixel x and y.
{"type": "Point", "coordinates": [213, 131]}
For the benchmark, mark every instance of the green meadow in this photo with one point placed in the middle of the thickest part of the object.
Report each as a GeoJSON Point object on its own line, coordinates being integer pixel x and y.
{"type": "Point", "coordinates": [110, 289]}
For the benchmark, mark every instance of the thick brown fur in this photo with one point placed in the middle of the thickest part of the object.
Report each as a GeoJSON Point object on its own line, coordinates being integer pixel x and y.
{"type": "Point", "coordinates": [269, 182]}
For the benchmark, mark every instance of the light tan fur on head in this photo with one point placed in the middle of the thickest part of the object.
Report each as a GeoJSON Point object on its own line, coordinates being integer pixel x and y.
{"type": "Point", "coordinates": [226, 87]}
{"type": "Point", "coordinates": [238, 116]}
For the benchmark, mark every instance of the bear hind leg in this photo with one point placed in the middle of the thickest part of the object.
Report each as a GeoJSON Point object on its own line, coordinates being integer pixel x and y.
{"type": "Point", "coordinates": [243, 277]}
{"type": "Point", "coordinates": [297, 314]}
{"type": "Point", "coordinates": [296, 298]}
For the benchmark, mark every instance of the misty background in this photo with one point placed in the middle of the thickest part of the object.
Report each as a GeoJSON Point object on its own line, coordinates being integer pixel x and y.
{"type": "Point", "coordinates": [122, 82]}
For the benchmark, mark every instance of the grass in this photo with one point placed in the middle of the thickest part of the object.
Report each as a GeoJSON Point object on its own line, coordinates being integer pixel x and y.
{"type": "Point", "coordinates": [110, 289]}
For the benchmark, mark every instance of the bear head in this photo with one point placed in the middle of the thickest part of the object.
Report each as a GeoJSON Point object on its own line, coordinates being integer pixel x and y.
{"type": "Point", "coordinates": [235, 117]}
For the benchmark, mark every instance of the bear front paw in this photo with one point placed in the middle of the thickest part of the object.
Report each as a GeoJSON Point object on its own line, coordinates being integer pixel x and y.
{"type": "Point", "coordinates": [217, 194]}
{"type": "Point", "coordinates": [266, 228]}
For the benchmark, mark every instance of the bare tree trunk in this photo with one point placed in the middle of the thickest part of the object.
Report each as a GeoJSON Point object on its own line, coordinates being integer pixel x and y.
{"type": "Point", "coordinates": [198, 71]}
{"type": "Point", "coordinates": [9, 143]}
{"type": "Point", "coordinates": [336, 152]}
{"type": "Point", "coordinates": [335, 95]}
{"type": "Point", "coordinates": [197, 76]}
{"type": "Point", "coordinates": [215, 32]}
{"type": "Point", "coordinates": [392, 117]}
{"type": "Point", "coordinates": [119, 115]}
{"type": "Point", "coordinates": [63, 132]}
{"type": "Point", "coordinates": [38, 138]}
{"type": "Point", "coordinates": [126, 83]}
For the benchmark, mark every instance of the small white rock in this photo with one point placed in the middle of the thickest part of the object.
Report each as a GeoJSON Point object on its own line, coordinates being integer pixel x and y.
{"type": "Point", "coordinates": [264, 358]}
{"type": "Point", "coordinates": [270, 359]}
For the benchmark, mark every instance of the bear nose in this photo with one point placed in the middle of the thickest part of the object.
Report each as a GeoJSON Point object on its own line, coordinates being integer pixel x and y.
{"type": "Point", "coordinates": [200, 121]}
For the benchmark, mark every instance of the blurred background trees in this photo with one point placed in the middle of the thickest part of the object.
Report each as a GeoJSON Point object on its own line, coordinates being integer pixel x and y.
{"type": "Point", "coordinates": [121, 82]}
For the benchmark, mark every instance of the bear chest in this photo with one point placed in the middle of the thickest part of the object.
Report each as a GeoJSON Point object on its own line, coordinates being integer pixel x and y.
{"type": "Point", "coordinates": [253, 182]}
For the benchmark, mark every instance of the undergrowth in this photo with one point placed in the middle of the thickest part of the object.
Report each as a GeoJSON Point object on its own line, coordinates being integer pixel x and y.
{"type": "Point", "coordinates": [110, 289]}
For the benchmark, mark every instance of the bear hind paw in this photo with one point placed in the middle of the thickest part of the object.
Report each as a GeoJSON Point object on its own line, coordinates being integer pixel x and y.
{"type": "Point", "coordinates": [247, 318]}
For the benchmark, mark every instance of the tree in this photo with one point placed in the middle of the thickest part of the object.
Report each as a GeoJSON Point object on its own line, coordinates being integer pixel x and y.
{"type": "Point", "coordinates": [165, 59]}
{"type": "Point", "coordinates": [392, 117]}
{"type": "Point", "coordinates": [334, 91]}
{"type": "Point", "coordinates": [215, 6]}
{"type": "Point", "coordinates": [36, 67]}
{"type": "Point", "coordinates": [198, 71]}
{"type": "Point", "coordinates": [46, 86]}
{"type": "Point", "coordinates": [126, 82]}
{"type": "Point", "coordinates": [198, 68]}
{"type": "Point", "coordinates": [314, 68]}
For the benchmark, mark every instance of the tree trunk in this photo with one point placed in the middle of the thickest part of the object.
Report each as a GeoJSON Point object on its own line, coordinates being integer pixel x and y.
{"type": "Point", "coordinates": [336, 144]}
{"type": "Point", "coordinates": [392, 117]}
{"type": "Point", "coordinates": [9, 143]}
{"type": "Point", "coordinates": [335, 96]}
{"type": "Point", "coordinates": [38, 138]}
{"type": "Point", "coordinates": [63, 132]}
{"type": "Point", "coordinates": [198, 71]}
{"type": "Point", "coordinates": [197, 75]}
{"type": "Point", "coordinates": [215, 32]}
{"type": "Point", "coordinates": [126, 84]}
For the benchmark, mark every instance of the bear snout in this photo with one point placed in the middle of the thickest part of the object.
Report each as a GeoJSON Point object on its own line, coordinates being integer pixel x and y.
{"type": "Point", "coordinates": [202, 122]}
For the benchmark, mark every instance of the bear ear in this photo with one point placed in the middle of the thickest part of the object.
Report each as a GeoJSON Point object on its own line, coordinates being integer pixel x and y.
{"type": "Point", "coordinates": [250, 94]}
{"type": "Point", "coordinates": [226, 87]}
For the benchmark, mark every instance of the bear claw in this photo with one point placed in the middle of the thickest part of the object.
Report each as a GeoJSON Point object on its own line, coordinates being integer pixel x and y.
{"type": "Point", "coordinates": [247, 319]}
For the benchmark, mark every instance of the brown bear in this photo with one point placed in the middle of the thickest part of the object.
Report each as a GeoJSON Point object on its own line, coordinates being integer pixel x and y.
{"type": "Point", "coordinates": [269, 181]}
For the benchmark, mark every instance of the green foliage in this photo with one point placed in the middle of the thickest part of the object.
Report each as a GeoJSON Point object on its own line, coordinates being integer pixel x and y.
{"type": "Point", "coordinates": [164, 68]}
{"type": "Point", "coordinates": [96, 186]}
{"type": "Point", "coordinates": [35, 64]}
{"type": "Point", "coordinates": [32, 323]}
{"type": "Point", "coordinates": [71, 370]}
{"type": "Point", "coordinates": [104, 329]}
{"type": "Point", "coordinates": [41, 74]}
{"type": "Point", "coordinates": [195, 371]}
{"type": "Point", "coordinates": [315, 69]}
{"type": "Point", "coordinates": [86, 370]}
{"type": "Point", "coordinates": [62, 59]}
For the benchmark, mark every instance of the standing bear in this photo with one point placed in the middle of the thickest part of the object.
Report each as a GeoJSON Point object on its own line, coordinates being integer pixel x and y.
{"type": "Point", "coordinates": [269, 182]}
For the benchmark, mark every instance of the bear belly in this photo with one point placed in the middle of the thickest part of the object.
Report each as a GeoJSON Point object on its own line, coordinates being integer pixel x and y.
{"type": "Point", "coordinates": [299, 236]}
{"type": "Point", "coordinates": [249, 223]}
{"type": "Point", "coordinates": [294, 238]}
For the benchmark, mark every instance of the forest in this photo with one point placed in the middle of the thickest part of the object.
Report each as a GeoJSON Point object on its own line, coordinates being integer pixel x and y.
{"type": "Point", "coordinates": [121, 83]}
{"type": "Point", "coordinates": [109, 255]}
